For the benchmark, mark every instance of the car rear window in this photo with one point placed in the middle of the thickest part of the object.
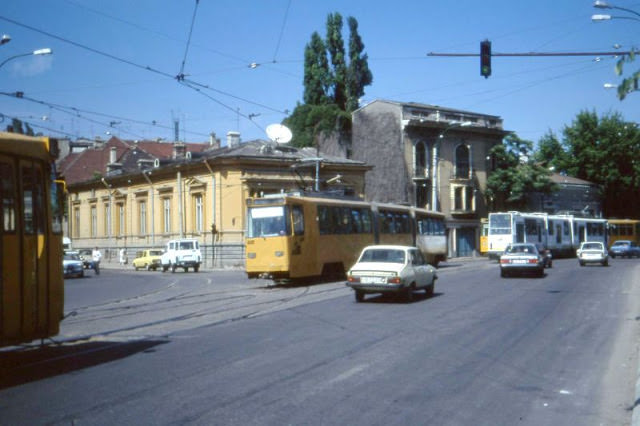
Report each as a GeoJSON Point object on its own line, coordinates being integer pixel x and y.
{"type": "Point", "coordinates": [383, 255]}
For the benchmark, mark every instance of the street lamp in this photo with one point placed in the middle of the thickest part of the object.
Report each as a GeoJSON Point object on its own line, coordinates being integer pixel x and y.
{"type": "Point", "coordinates": [599, 4]}
{"type": "Point", "coordinates": [434, 180]}
{"type": "Point", "coordinates": [38, 52]}
{"type": "Point", "coordinates": [598, 18]}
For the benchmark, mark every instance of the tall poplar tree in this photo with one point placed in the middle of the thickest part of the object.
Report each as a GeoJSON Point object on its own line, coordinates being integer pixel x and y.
{"type": "Point", "coordinates": [335, 47]}
{"type": "Point", "coordinates": [316, 72]}
{"type": "Point", "coordinates": [358, 74]}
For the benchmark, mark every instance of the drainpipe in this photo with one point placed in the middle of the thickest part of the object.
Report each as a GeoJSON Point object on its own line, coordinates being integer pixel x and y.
{"type": "Point", "coordinates": [153, 212]}
{"type": "Point", "coordinates": [179, 183]}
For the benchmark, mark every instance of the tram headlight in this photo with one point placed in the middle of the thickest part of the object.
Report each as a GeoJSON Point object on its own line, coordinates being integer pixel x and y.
{"type": "Point", "coordinates": [251, 255]}
{"type": "Point", "coordinates": [279, 253]}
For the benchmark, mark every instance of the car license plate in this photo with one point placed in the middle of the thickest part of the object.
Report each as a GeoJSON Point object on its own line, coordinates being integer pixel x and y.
{"type": "Point", "coordinates": [373, 280]}
{"type": "Point", "coordinates": [519, 261]}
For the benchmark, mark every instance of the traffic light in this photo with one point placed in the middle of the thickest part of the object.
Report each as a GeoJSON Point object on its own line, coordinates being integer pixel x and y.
{"type": "Point", "coordinates": [485, 58]}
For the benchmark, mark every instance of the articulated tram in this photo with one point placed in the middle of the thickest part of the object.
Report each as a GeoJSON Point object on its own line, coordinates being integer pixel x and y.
{"type": "Point", "coordinates": [291, 237]}
{"type": "Point", "coordinates": [562, 234]}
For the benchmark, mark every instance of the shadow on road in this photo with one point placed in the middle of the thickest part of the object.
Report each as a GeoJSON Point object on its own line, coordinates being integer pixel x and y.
{"type": "Point", "coordinates": [24, 365]}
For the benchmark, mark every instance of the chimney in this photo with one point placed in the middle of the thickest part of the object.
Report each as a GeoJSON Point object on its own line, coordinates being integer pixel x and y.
{"type": "Point", "coordinates": [233, 139]}
{"type": "Point", "coordinates": [213, 141]}
{"type": "Point", "coordinates": [113, 166]}
{"type": "Point", "coordinates": [179, 149]}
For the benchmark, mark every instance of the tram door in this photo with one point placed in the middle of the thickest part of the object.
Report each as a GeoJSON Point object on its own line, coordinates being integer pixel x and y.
{"type": "Point", "coordinates": [32, 256]}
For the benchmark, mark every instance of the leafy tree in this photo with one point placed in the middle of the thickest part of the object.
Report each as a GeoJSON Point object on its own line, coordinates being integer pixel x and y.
{"type": "Point", "coordinates": [358, 74]}
{"type": "Point", "coordinates": [606, 151]}
{"type": "Point", "coordinates": [516, 175]}
{"type": "Point", "coordinates": [335, 47]}
{"type": "Point", "coordinates": [316, 72]}
{"type": "Point", "coordinates": [331, 86]}
{"type": "Point", "coordinates": [629, 84]}
{"type": "Point", "coordinates": [550, 153]}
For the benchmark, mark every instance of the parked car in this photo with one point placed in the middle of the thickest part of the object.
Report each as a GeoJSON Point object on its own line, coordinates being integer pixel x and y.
{"type": "Point", "coordinates": [547, 257]}
{"type": "Point", "coordinates": [86, 257]}
{"type": "Point", "coordinates": [182, 253]}
{"type": "Point", "coordinates": [521, 258]}
{"type": "Point", "coordinates": [72, 265]}
{"type": "Point", "coordinates": [624, 248]}
{"type": "Point", "coordinates": [148, 259]}
{"type": "Point", "coordinates": [391, 269]}
{"type": "Point", "coordinates": [592, 252]}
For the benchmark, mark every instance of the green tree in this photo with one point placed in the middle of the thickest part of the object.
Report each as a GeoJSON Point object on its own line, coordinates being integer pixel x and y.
{"type": "Point", "coordinates": [630, 83]}
{"type": "Point", "coordinates": [331, 87]}
{"type": "Point", "coordinates": [358, 74]}
{"type": "Point", "coordinates": [516, 175]}
{"type": "Point", "coordinates": [16, 127]}
{"type": "Point", "coordinates": [550, 153]}
{"type": "Point", "coordinates": [316, 72]}
{"type": "Point", "coordinates": [335, 47]}
{"type": "Point", "coordinates": [606, 151]}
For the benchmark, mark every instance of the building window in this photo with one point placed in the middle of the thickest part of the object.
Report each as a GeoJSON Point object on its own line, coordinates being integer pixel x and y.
{"type": "Point", "coordinates": [463, 163]}
{"type": "Point", "coordinates": [120, 225]}
{"type": "Point", "coordinates": [198, 212]}
{"type": "Point", "coordinates": [142, 217]}
{"type": "Point", "coordinates": [94, 221]}
{"type": "Point", "coordinates": [107, 219]}
{"type": "Point", "coordinates": [76, 222]}
{"type": "Point", "coordinates": [421, 160]}
{"type": "Point", "coordinates": [166, 215]}
{"type": "Point", "coordinates": [463, 198]}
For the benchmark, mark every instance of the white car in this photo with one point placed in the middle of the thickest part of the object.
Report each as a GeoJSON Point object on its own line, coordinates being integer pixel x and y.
{"type": "Point", "coordinates": [183, 253]}
{"type": "Point", "coordinates": [72, 265]}
{"type": "Point", "coordinates": [390, 269]}
{"type": "Point", "coordinates": [592, 252]}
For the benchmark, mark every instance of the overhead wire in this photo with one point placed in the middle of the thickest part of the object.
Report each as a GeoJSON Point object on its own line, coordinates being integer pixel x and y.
{"type": "Point", "coordinates": [282, 26]}
{"type": "Point", "coordinates": [180, 75]}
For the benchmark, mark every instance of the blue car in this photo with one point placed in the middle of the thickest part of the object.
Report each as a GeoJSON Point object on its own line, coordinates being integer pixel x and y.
{"type": "Point", "coordinates": [624, 248]}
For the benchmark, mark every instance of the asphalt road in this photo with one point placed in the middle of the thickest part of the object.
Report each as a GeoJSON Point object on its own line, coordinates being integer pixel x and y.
{"type": "Point", "coordinates": [215, 348]}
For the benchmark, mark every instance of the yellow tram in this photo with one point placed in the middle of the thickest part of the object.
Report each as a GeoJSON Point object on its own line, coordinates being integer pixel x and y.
{"type": "Point", "coordinates": [31, 280]}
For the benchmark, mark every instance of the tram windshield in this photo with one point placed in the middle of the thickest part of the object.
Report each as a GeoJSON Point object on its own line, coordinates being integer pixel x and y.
{"type": "Point", "coordinates": [267, 222]}
{"type": "Point", "coordinates": [500, 224]}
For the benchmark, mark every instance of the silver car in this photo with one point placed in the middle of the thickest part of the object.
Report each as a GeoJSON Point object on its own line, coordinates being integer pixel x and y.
{"type": "Point", "coordinates": [72, 265]}
{"type": "Point", "coordinates": [522, 258]}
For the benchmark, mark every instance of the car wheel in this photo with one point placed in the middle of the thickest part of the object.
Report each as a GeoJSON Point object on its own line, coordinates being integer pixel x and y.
{"type": "Point", "coordinates": [408, 295]}
{"type": "Point", "coordinates": [503, 273]}
{"type": "Point", "coordinates": [359, 296]}
{"type": "Point", "coordinates": [148, 267]}
{"type": "Point", "coordinates": [581, 263]}
{"type": "Point", "coordinates": [196, 268]}
{"type": "Point", "coordinates": [82, 273]}
{"type": "Point", "coordinates": [173, 267]}
{"type": "Point", "coordinates": [541, 272]}
{"type": "Point", "coordinates": [605, 263]}
{"type": "Point", "coordinates": [429, 290]}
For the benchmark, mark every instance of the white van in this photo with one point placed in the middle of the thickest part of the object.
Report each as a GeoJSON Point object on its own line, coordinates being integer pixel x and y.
{"type": "Point", "coordinates": [182, 253]}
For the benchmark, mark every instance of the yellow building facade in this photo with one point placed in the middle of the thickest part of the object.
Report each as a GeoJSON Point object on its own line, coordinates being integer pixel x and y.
{"type": "Point", "coordinates": [200, 196]}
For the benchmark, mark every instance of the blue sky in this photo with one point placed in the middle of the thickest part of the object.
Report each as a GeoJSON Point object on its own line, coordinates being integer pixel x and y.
{"type": "Point", "coordinates": [97, 83]}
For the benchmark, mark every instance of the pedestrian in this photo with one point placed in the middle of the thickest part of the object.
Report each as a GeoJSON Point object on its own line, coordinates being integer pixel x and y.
{"type": "Point", "coordinates": [96, 256]}
{"type": "Point", "coordinates": [123, 256]}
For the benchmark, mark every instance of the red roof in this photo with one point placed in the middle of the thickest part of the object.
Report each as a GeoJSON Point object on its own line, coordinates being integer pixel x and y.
{"type": "Point", "coordinates": [85, 165]}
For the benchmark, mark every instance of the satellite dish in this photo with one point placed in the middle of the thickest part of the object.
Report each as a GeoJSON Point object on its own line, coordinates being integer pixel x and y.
{"type": "Point", "coordinates": [279, 133]}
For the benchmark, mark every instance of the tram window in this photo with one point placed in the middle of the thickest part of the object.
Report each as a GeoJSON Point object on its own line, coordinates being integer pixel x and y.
{"type": "Point", "coordinates": [298, 220]}
{"type": "Point", "coordinates": [8, 194]}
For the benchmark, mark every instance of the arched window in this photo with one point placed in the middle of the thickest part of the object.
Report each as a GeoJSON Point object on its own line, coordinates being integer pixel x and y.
{"type": "Point", "coordinates": [421, 159]}
{"type": "Point", "coordinates": [463, 162]}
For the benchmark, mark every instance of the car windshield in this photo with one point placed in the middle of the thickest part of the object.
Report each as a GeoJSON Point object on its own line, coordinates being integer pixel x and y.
{"type": "Point", "coordinates": [155, 253]}
{"type": "Point", "coordinates": [621, 244]}
{"type": "Point", "coordinates": [71, 257]}
{"type": "Point", "coordinates": [383, 255]}
{"type": "Point", "coordinates": [521, 249]}
{"type": "Point", "coordinates": [592, 246]}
